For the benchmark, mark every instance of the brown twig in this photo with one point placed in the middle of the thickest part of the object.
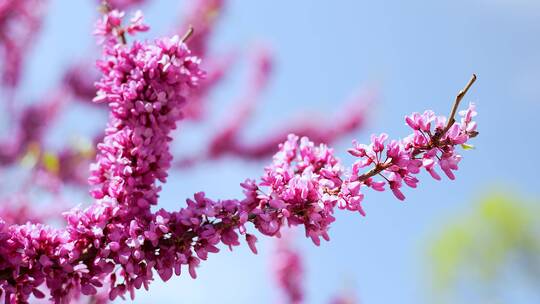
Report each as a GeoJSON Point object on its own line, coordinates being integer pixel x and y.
{"type": "Point", "coordinates": [122, 35]}
{"type": "Point", "coordinates": [188, 34]}
{"type": "Point", "coordinates": [459, 97]}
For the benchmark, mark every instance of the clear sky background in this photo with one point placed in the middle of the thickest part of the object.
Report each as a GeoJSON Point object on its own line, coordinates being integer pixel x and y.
{"type": "Point", "coordinates": [418, 54]}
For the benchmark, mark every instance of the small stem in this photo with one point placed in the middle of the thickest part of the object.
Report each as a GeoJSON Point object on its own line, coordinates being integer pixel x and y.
{"type": "Point", "coordinates": [187, 34]}
{"type": "Point", "coordinates": [104, 7]}
{"type": "Point", "coordinates": [122, 35]}
{"type": "Point", "coordinates": [459, 97]}
{"type": "Point", "coordinates": [375, 170]}
{"type": "Point", "coordinates": [384, 177]}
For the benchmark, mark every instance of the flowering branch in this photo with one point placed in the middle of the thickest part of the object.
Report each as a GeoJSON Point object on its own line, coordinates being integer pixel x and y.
{"type": "Point", "coordinates": [118, 240]}
{"type": "Point", "coordinates": [434, 142]}
{"type": "Point", "coordinates": [20, 22]}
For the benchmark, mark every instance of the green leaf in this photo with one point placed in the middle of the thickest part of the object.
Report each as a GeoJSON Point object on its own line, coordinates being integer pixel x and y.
{"type": "Point", "coordinates": [467, 147]}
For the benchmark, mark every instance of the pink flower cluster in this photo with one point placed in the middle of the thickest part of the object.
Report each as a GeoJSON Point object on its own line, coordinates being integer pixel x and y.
{"type": "Point", "coordinates": [432, 142]}
{"type": "Point", "coordinates": [118, 243]}
{"type": "Point", "coordinates": [289, 272]}
{"type": "Point", "coordinates": [20, 21]}
{"type": "Point", "coordinates": [145, 86]}
{"type": "Point", "coordinates": [295, 186]}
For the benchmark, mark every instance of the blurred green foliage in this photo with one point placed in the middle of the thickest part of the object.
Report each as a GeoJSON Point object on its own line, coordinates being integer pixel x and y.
{"type": "Point", "coordinates": [490, 255]}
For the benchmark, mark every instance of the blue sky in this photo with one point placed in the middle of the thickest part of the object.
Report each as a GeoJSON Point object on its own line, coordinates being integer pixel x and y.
{"type": "Point", "coordinates": [418, 53]}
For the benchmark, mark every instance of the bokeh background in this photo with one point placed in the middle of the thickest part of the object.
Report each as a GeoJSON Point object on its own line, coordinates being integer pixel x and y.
{"type": "Point", "coordinates": [417, 54]}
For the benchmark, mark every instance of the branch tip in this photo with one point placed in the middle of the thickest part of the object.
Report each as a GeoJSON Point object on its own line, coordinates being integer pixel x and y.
{"type": "Point", "coordinates": [188, 34]}
{"type": "Point", "coordinates": [455, 106]}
